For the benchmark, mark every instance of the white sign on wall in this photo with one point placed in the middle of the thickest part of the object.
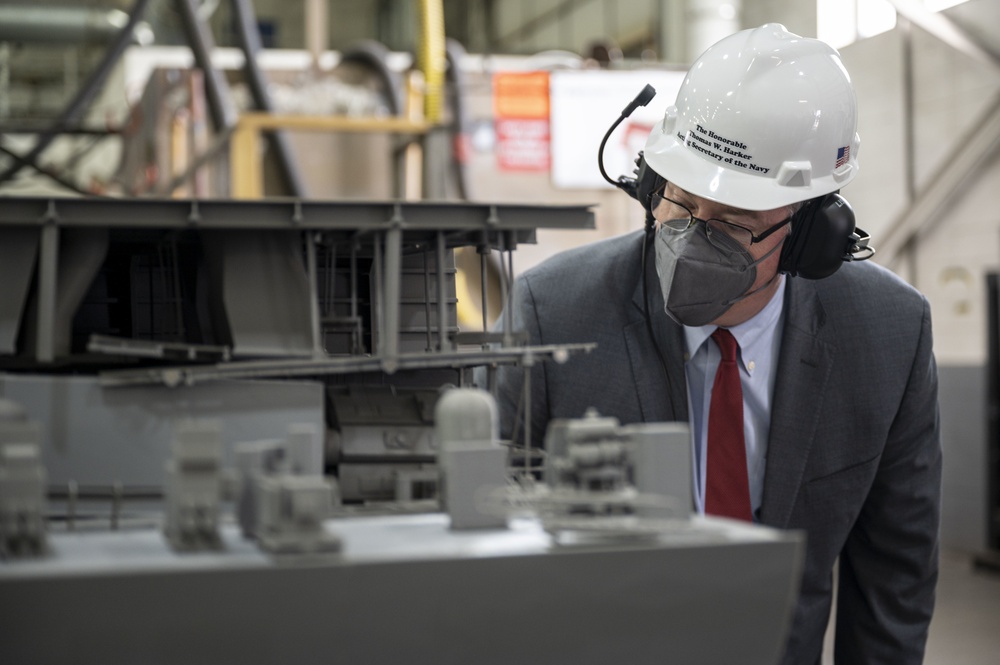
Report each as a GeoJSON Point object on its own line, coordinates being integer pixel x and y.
{"type": "Point", "coordinates": [584, 104]}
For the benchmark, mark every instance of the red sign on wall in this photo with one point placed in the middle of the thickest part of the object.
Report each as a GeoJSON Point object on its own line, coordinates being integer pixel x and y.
{"type": "Point", "coordinates": [521, 120]}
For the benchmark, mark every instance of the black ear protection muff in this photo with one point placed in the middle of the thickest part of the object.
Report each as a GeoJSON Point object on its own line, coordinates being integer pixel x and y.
{"type": "Point", "coordinates": [647, 181]}
{"type": "Point", "coordinates": [823, 237]}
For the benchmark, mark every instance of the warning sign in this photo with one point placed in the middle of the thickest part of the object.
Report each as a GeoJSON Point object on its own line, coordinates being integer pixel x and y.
{"type": "Point", "coordinates": [522, 145]}
{"type": "Point", "coordinates": [521, 119]}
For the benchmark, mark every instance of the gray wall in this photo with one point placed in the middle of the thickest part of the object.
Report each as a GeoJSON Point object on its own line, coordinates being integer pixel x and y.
{"type": "Point", "coordinates": [963, 440]}
{"type": "Point", "coordinates": [950, 261]}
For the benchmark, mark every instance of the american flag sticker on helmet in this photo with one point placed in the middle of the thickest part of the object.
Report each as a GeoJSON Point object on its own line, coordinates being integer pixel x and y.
{"type": "Point", "coordinates": [843, 155]}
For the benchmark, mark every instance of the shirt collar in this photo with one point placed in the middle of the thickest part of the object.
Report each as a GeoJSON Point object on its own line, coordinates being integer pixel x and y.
{"type": "Point", "coordinates": [750, 334]}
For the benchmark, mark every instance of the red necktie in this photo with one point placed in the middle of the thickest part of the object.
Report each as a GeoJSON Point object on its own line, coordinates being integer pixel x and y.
{"type": "Point", "coordinates": [727, 491]}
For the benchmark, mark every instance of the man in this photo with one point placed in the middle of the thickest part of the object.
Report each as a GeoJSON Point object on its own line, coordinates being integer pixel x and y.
{"type": "Point", "coordinates": [836, 374]}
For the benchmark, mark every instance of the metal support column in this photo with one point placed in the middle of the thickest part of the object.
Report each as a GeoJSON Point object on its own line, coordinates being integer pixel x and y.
{"type": "Point", "coordinates": [356, 331]}
{"type": "Point", "coordinates": [391, 299]}
{"type": "Point", "coordinates": [442, 296]}
{"type": "Point", "coordinates": [314, 315]}
{"type": "Point", "coordinates": [48, 279]}
{"type": "Point", "coordinates": [527, 364]}
{"type": "Point", "coordinates": [378, 329]}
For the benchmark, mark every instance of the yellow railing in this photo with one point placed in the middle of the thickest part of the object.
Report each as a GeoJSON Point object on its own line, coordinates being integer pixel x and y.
{"type": "Point", "coordinates": [246, 156]}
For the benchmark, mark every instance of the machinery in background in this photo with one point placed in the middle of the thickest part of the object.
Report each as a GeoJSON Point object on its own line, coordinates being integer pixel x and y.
{"type": "Point", "coordinates": [120, 318]}
{"type": "Point", "coordinates": [22, 486]}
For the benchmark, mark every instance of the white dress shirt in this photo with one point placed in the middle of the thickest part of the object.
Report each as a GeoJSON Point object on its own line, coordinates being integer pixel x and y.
{"type": "Point", "coordinates": [759, 340]}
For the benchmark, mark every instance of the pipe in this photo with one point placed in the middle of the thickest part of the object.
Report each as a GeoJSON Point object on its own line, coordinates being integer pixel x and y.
{"type": "Point", "coordinates": [201, 43]}
{"type": "Point", "coordinates": [460, 121]}
{"type": "Point", "coordinates": [66, 25]}
{"type": "Point", "coordinates": [432, 57]}
{"type": "Point", "coordinates": [317, 35]}
{"type": "Point", "coordinates": [373, 54]}
{"type": "Point", "coordinates": [249, 37]}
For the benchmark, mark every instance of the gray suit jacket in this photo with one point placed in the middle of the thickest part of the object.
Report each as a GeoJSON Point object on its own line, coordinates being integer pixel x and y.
{"type": "Point", "coordinates": [853, 454]}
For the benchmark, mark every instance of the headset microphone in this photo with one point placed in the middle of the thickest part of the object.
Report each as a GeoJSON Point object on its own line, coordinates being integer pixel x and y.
{"type": "Point", "coordinates": [628, 185]}
{"type": "Point", "coordinates": [639, 188]}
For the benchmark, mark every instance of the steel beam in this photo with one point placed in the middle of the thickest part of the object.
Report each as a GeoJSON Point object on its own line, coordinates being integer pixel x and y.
{"type": "Point", "coordinates": [962, 167]}
{"type": "Point", "coordinates": [943, 28]}
{"type": "Point", "coordinates": [255, 369]}
{"type": "Point", "coordinates": [288, 214]}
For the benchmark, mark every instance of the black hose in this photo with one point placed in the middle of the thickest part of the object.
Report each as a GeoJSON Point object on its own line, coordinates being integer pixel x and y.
{"type": "Point", "coordinates": [249, 37]}
{"type": "Point", "coordinates": [375, 55]}
{"type": "Point", "coordinates": [454, 52]}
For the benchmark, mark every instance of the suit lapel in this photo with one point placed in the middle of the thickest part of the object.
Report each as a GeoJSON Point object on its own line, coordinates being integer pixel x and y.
{"type": "Point", "coordinates": [661, 398]}
{"type": "Point", "coordinates": [804, 366]}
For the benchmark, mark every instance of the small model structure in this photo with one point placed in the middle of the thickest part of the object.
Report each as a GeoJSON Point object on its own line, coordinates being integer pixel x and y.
{"type": "Point", "coordinates": [194, 487]}
{"type": "Point", "coordinates": [472, 462]}
{"type": "Point", "coordinates": [281, 504]}
{"type": "Point", "coordinates": [22, 497]}
{"type": "Point", "coordinates": [612, 481]}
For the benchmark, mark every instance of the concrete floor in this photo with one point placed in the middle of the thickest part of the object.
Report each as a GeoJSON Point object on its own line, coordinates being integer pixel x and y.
{"type": "Point", "coordinates": [966, 625]}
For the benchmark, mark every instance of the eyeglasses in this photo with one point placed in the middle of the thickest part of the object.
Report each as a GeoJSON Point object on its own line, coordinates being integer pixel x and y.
{"type": "Point", "coordinates": [677, 217]}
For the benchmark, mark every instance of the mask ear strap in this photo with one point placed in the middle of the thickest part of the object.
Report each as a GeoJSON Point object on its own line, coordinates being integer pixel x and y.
{"type": "Point", "coordinates": [757, 290]}
{"type": "Point", "coordinates": [757, 262]}
{"type": "Point", "coordinates": [766, 284]}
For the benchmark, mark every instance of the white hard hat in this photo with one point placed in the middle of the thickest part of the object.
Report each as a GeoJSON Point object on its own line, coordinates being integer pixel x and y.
{"type": "Point", "coordinates": [764, 118]}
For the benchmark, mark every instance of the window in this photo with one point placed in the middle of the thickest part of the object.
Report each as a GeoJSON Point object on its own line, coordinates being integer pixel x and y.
{"type": "Point", "coordinates": [841, 22]}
